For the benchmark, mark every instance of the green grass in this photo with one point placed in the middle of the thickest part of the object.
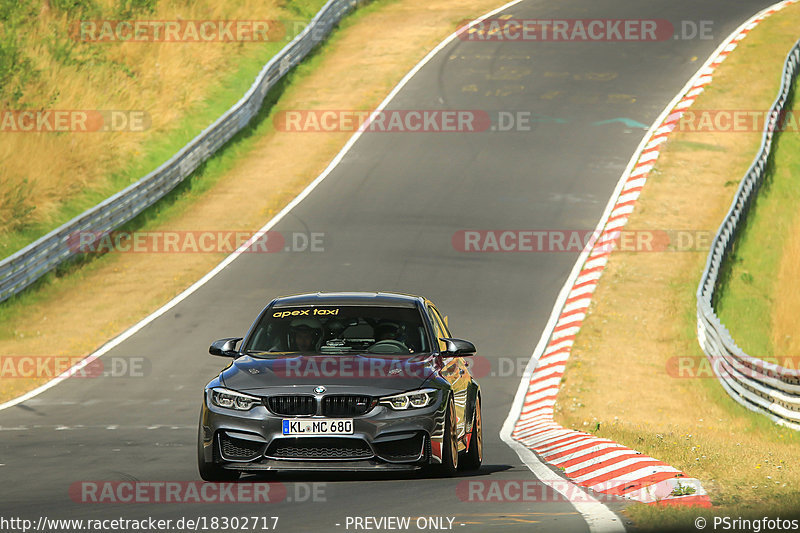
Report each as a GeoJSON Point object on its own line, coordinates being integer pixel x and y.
{"type": "Point", "coordinates": [691, 146]}
{"type": "Point", "coordinates": [193, 187]}
{"type": "Point", "coordinates": [160, 148]}
{"type": "Point", "coordinates": [162, 145]}
{"type": "Point", "coordinates": [744, 298]}
{"type": "Point", "coordinates": [745, 293]}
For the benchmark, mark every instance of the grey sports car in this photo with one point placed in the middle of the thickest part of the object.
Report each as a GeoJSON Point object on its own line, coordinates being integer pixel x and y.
{"type": "Point", "coordinates": [342, 381]}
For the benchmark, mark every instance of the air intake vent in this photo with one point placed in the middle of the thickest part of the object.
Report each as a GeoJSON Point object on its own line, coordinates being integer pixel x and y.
{"type": "Point", "coordinates": [292, 405]}
{"type": "Point", "coordinates": [346, 406]}
{"type": "Point", "coordinates": [319, 448]}
{"type": "Point", "coordinates": [234, 449]}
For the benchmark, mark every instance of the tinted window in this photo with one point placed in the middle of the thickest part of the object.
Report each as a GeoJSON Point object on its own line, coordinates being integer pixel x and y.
{"type": "Point", "coordinates": [439, 327]}
{"type": "Point", "coordinates": [441, 321]}
{"type": "Point", "coordinates": [339, 330]}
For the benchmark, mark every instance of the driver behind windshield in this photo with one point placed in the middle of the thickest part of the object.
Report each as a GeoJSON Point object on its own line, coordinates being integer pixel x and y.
{"type": "Point", "coordinates": [305, 334]}
{"type": "Point", "coordinates": [386, 331]}
{"type": "Point", "coordinates": [338, 330]}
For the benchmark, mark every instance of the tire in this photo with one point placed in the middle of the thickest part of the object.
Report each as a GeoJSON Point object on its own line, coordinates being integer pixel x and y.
{"type": "Point", "coordinates": [210, 471]}
{"type": "Point", "coordinates": [474, 456]}
{"type": "Point", "coordinates": [449, 464]}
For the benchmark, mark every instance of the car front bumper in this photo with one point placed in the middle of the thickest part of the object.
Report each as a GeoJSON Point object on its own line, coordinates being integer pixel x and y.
{"type": "Point", "coordinates": [382, 439]}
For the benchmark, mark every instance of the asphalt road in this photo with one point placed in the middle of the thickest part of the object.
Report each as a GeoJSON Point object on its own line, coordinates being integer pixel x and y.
{"type": "Point", "coordinates": [389, 212]}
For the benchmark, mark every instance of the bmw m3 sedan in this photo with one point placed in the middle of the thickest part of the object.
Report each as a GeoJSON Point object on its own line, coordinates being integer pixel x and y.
{"type": "Point", "coordinates": [342, 382]}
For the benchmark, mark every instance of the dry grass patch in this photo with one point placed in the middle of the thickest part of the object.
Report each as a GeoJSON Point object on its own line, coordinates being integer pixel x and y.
{"type": "Point", "coordinates": [166, 81]}
{"type": "Point", "coordinates": [785, 336]}
{"type": "Point", "coordinates": [75, 314]}
{"type": "Point", "coordinates": [643, 314]}
{"type": "Point", "coordinates": [760, 277]}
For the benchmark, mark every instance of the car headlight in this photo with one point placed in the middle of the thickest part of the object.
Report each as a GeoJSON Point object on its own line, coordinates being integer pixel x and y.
{"type": "Point", "coordinates": [410, 400]}
{"type": "Point", "coordinates": [233, 400]}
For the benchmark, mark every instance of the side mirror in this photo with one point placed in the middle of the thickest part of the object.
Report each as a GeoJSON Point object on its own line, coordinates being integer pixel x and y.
{"type": "Point", "coordinates": [225, 347]}
{"type": "Point", "coordinates": [459, 347]}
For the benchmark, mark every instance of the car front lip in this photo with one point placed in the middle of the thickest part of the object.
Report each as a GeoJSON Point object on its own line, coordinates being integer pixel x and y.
{"type": "Point", "coordinates": [260, 426]}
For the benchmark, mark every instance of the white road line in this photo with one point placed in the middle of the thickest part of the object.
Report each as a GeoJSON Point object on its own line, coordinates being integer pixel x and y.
{"type": "Point", "coordinates": [598, 517]}
{"type": "Point", "coordinates": [257, 235]}
{"type": "Point", "coordinates": [605, 522]}
{"type": "Point", "coordinates": [91, 428]}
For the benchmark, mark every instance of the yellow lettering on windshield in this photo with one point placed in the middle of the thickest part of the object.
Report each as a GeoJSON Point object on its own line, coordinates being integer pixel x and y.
{"type": "Point", "coordinates": [306, 312]}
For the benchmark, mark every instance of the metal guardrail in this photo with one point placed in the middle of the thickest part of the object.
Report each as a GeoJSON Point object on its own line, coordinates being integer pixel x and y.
{"type": "Point", "coordinates": [757, 384]}
{"type": "Point", "coordinates": [23, 268]}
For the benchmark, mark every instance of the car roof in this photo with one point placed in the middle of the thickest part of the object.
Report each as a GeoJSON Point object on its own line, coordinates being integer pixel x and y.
{"type": "Point", "coordinates": [376, 299]}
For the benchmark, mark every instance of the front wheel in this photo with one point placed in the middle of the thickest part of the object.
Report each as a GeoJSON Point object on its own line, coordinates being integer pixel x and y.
{"type": "Point", "coordinates": [449, 464]}
{"type": "Point", "coordinates": [474, 456]}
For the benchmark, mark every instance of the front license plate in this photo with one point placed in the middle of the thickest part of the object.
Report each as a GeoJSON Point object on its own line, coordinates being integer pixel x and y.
{"type": "Point", "coordinates": [326, 426]}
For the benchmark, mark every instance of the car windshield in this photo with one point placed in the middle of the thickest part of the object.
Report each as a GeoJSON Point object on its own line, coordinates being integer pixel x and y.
{"type": "Point", "coordinates": [338, 330]}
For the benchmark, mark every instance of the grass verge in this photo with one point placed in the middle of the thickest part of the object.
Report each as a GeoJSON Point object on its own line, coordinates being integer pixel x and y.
{"type": "Point", "coordinates": [72, 312]}
{"type": "Point", "coordinates": [642, 321]}
{"type": "Point", "coordinates": [760, 277]}
{"type": "Point", "coordinates": [48, 178]}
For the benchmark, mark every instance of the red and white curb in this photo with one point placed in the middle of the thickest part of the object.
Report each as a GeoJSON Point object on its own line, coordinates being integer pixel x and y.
{"type": "Point", "coordinates": [585, 459]}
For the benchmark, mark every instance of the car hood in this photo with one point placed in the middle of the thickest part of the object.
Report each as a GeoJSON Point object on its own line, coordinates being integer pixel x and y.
{"type": "Point", "coordinates": [371, 374]}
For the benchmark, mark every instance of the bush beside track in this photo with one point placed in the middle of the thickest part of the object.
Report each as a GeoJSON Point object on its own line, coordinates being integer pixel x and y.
{"type": "Point", "coordinates": [643, 316]}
